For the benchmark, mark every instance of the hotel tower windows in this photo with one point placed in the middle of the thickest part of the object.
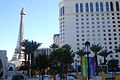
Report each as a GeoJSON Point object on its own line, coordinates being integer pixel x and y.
{"type": "Point", "coordinates": [111, 6]}
{"type": "Point", "coordinates": [117, 6]}
{"type": "Point", "coordinates": [87, 7]}
{"type": "Point", "coordinates": [107, 6]}
{"type": "Point", "coordinates": [61, 11]}
{"type": "Point", "coordinates": [97, 7]}
{"type": "Point", "coordinates": [81, 7]}
{"type": "Point", "coordinates": [91, 7]}
{"type": "Point", "coordinates": [77, 9]}
{"type": "Point", "coordinates": [101, 6]}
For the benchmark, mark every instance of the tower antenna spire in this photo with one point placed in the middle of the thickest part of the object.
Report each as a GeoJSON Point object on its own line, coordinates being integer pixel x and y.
{"type": "Point", "coordinates": [22, 3]}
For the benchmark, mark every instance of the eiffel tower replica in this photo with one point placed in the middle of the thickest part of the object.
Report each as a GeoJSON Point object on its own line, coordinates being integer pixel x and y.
{"type": "Point", "coordinates": [18, 54]}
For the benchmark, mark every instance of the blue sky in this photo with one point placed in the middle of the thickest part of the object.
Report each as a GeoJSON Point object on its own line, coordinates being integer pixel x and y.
{"type": "Point", "coordinates": [41, 22]}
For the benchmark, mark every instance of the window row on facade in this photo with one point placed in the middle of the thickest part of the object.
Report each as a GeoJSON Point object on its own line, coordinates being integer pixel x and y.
{"type": "Point", "coordinates": [97, 26]}
{"type": "Point", "coordinates": [109, 30]}
{"type": "Point", "coordinates": [98, 22]}
{"type": "Point", "coordinates": [97, 18]}
{"type": "Point", "coordinates": [93, 35]}
{"type": "Point", "coordinates": [99, 7]}
{"type": "Point", "coordinates": [98, 14]}
{"type": "Point", "coordinates": [96, 35]}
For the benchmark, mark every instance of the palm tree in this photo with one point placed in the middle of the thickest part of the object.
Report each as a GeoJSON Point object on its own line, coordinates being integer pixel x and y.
{"type": "Point", "coordinates": [54, 64]}
{"type": "Point", "coordinates": [105, 53]}
{"type": "Point", "coordinates": [29, 48]}
{"type": "Point", "coordinates": [68, 53]}
{"type": "Point", "coordinates": [80, 52]}
{"type": "Point", "coordinates": [42, 62]}
{"type": "Point", "coordinates": [25, 45]}
{"type": "Point", "coordinates": [33, 47]}
{"type": "Point", "coordinates": [95, 49]}
{"type": "Point", "coordinates": [62, 57]}
{"type": "Point", "coordinates": [66, 58]}
{"type": "Point", "coordinates": [54, 46]}
{"type": "Point", "coordinates": [113, 64]}
{"type": "Point", "coordinates": [118, 49]}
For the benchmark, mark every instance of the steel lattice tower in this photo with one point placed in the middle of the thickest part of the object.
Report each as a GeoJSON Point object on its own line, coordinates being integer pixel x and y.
{"type": "Point", "coordinates": [18, 54]}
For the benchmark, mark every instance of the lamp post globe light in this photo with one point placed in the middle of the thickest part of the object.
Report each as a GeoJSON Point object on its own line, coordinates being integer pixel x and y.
{"type": "Point", "coordinates": [87, 50]}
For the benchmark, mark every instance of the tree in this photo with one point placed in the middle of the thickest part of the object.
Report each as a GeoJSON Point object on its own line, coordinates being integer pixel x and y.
{"type": "Point", "coordinates": [80, 53]}
{"type": "Point", "coordinates": [62, 57]}
{"type": "Point", "coordinates": [42, 63]}
{"type": "Point", "coordinates": [68, 58]}
{"type": "Point", "coordinates": [105, 53]}
{"type": "Point", "coordinates": [118, 49]}
{"type": "Point", "coordinates": [113, 64]}
{"type": "Point", "coordinates": [54, 63]}
{"type": "Point", "coordinates": [29, 48]}
{"type": "Point", "coordinates": [54, 46]}
{"type": "Point", "coordinates": [33, 47]}
{"type": "Point", "coordinates": [26, 50]}
{"type": "Point", "coordinates": [95, 49]}
{"type": "Point", "coordinates": [25, 45]}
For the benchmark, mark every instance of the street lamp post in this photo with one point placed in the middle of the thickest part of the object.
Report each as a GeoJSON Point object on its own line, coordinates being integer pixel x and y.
{"type": "Point", "coordinates": [87, 50]}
